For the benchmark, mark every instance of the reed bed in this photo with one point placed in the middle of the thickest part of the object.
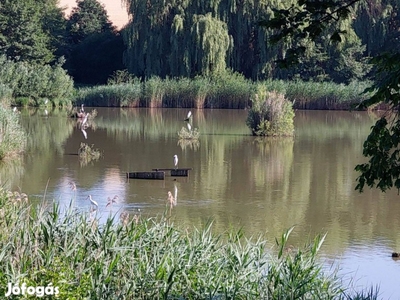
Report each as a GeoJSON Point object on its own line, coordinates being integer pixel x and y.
{"type": "Point", "coordinates": [117, 95]}
{"type": "Point", "coordinates": [136, 258]}
{"type": "Point", "coordinates": [227, 90]}
{"type": "Point", "coordinates": [185, 92]}
{"type": "Point", "coordinates": [325, 95]}
{"type": "Point", "coordinates": [5, 95]}
{"type": "Point", "coordinates": [12, 136]}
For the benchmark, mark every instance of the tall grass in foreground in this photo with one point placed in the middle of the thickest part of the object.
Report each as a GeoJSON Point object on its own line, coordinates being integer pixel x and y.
{"type": "Point", "coordinates": [148, 259]}
{"type": "Point", "coordinates": [12, 136]}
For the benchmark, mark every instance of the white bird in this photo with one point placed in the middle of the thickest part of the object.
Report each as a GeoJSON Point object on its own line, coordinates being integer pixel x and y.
{"type": "Point", "coordinates": [176, 161]}
{"type": "Point", "coordinates": [85, 120]}
{"type": "Point", "coordinates": [171, 199]}
{"type": "Point", "coordinates": [111, 201]}
{"type": "Point", "coordinates": [84, 133]}
{"type": "Point", "coordinates": [92, 201]}
{"type": "Point", "coordinates": [188, 116]}
{"type": "Point", "coordinates": [82, 109]}
{"type": "Point", "coordinates": [189, 127]}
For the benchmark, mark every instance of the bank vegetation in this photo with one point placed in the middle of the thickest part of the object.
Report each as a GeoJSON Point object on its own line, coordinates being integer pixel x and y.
{"type": "Point", "coordinates": [137, 258]}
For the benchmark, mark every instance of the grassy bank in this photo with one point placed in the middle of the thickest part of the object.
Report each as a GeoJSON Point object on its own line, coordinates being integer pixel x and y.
{"type": "Point", "coordinates": [223, 91]}
{"type": "Point", "coordinates": [133, 258]}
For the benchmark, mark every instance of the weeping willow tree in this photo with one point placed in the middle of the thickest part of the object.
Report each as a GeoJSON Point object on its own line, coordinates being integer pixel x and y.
{"type": "Point", "coordinates": [183, 38]}
{"type": "Point", "coordinates": [178, 38]}
{"type": "Point", "coordinates": [377, 23]}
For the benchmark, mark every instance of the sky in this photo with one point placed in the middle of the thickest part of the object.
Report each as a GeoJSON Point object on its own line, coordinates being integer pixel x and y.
{"type": "Point", "coordinates": [117, 14]}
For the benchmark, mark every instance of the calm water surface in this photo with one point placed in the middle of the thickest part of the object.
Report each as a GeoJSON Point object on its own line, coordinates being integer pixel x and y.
{"type": "Point", "coordinates": [262, 185]}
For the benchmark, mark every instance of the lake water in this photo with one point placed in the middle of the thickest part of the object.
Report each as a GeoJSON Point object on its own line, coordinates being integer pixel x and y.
{"type": "Point", "coordinates": [264, 186]}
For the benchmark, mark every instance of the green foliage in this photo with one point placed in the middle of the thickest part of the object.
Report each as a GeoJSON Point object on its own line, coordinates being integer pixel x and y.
{"type": "Point", "coordinates": [34, 83]}
{"type": "Point", "coordinates": [229, 90]}
{"type": "Point", "coordinates": [296, 274]}
{"type": "Point", "coordinates": [87, 18]}
{"type": "Point", "coordinates": [23, 34]}
{"type": "Point", "coordinates": [88, 154]}
{"type": "Point", "coordinates": [382, 144]}
{"type": "Point", "coordinates": [5, 95]}
{"type": "Point", "coordinates": [271, 114]}
{"type": "Point", "coordinates": [95, 48]}
{"type": "Point", "coordinates": [121, 77]}
{"type": "Point", "coordinates": [122, 95]}
{"type": "Point", "coordinates": [148, 259]}
{"type": "Point", "coordinates": [12, 137]}
{"type": "Point", "coordinates": [93, 60]}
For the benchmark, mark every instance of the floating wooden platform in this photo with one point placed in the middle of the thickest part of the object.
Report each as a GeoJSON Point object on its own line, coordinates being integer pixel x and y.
{"type": "Point", "coordinates": [146, 175]}
{"type": "Point", "coordinates": [182, 172]}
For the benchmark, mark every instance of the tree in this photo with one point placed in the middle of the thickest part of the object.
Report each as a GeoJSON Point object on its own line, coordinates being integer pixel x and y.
{"type": "Point", "coordinates": [23, 35]}
{"type": "Point", "coordinates": [308, 20]}
{"type": "Point", "coordinates": [87, 18]}
{"type": "Point", "coordinates": [96, 48]}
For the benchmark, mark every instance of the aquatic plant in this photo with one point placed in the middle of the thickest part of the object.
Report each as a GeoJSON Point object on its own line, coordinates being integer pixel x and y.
{"type": "Point", "coordinates": [189, 134]}
{"type": "Point", "coordinates": [271, 114]}
{"type": "Point", "coordinates": [87, 154]}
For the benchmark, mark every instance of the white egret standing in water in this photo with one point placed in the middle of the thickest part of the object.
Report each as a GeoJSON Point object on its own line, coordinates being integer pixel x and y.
{"type": "Point", "coordinates": [188, 116]}
{"type": "Point", "coordinates": [92, 201]}
{"type": "Point", "coordinates": [176, 161]}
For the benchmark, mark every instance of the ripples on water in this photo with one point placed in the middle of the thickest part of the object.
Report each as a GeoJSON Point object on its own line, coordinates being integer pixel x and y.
{"type": "Point", "coordinates": [262, 185]}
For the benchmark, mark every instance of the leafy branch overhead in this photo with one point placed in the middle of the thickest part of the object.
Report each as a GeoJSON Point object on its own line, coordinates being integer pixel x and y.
{"type": "Point", "coordinates": [307, 20]}
{"type": "Point", "coordinates": [311, 20]}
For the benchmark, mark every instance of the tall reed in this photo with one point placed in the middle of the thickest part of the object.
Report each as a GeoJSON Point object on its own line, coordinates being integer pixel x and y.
{"type": "Point", "coordinates": [5, 95]}
{"type": "Point", "coordinates": [117, 95]}
{"type": "Point", "coordinates": [146, 259]}
{"type": "Point", "coordinates": [12, 136]}
{"type": "Point", "coordinates": [229, 90]}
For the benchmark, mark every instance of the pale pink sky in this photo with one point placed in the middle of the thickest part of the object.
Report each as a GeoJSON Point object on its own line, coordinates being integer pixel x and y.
{"type": "Point", "coordinates": [115, 11]}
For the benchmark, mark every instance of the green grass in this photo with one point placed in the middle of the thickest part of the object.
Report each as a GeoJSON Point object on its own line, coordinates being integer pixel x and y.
{"type": "Point", "coordinates": [135, 258]}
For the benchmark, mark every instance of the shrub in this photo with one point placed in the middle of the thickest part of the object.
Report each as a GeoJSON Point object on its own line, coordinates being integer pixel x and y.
{"type": "Point", "coordinates": [271, 114]}
{"type": "Point", "coordinates": [36, 82]}
{"type": "Point", "coordinates": [12, 137]}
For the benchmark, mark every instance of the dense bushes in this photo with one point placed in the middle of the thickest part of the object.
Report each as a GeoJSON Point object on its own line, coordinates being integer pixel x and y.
{"type": "Point", "coordinates": [271, 114]}
{"type": "Point", "coordinates": [33, 84]}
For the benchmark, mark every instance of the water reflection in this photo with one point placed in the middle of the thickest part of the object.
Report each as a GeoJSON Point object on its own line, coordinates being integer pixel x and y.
{"type": "Point", "coordinates": [263, 185]}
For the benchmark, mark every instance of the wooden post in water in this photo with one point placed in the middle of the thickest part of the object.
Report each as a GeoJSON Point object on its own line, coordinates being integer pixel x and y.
{"type": "Point", "coordinates": [180, 172]}
{"type": "Point", "coordinates": [146, 175]}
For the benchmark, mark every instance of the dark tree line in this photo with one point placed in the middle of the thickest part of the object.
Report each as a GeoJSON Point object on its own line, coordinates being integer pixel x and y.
{"type": "Point", "coordinates": [38, 32]}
